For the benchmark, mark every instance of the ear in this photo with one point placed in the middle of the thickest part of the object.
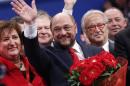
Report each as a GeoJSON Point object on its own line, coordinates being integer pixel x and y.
{"type": "Point", "coordinates": [125, 22]}
{"type": "Point", "coordinates": [75, 26]}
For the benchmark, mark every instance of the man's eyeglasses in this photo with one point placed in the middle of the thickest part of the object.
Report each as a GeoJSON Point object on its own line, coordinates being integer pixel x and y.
{"type": "Point", "coordinates": [93, 28]}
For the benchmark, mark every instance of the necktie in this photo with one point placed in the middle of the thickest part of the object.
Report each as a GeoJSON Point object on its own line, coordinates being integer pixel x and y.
{"type": "Point", "coordinates": [80, 55]}
{"type": "Point", "coordinates": [73, 55]}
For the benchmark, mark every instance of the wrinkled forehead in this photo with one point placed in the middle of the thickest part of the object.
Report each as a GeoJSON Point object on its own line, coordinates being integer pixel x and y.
{"type": "Point", "coordinates": [95, 18]}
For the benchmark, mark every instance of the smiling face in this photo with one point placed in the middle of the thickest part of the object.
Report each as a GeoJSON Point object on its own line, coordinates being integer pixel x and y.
{"type": "Point", "coordinates": [64, 29]}
{"type": "Point", "coordinates": [96, 29]}
{"type": "Point", "coordinates": [10, 44]}
{"type": "Point", "coordinates": [116, 21]}
{"type": "Point", "coordinates": [44, 33]}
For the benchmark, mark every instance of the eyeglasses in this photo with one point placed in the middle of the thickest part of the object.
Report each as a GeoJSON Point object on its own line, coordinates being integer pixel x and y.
{"type": "Point", "coordinates": [93, 28]}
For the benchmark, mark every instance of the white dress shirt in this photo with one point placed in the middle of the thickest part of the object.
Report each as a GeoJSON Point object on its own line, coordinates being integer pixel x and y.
{"type": "Point", "coordinates": [78, 51]}
{"type": "Point", "coordinates": [30, 31]}
{"type": "Point", "coordinates": [106, 46]}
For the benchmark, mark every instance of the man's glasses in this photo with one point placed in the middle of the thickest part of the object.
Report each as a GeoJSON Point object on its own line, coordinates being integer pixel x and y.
{"type": "Point", "coordinates": [93, 28]}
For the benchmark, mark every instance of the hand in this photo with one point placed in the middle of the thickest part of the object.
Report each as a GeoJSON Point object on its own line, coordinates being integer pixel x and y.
{"type": "Point", "coordinates": [24, 10]}
{"type": "Point", "coordinates": [69, 4]}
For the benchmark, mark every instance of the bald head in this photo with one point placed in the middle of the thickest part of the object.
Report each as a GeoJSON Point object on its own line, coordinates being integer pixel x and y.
{"type": "Point", "coordinates": [116, 21]}
{"type": "Point", "coordinates": [113, 11]}
{"type": "Point", "coordinates": [64, 29]}
{"type": "Point", "coordinates": [60, 16]}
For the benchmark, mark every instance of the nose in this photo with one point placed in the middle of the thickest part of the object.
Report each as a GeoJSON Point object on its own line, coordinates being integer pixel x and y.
{"type": "Point", "coordinates": [97, 29]}
{"type": "Point", "coordinates": [63, 32]}
{"type": "Point", "coordinates": [114, 22]}
{"type": "Point", "coordinates": [11, 42]}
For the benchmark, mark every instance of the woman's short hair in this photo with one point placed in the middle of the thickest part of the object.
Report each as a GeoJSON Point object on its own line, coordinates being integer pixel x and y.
{"type": "Point", "coordinates": [9, 26]}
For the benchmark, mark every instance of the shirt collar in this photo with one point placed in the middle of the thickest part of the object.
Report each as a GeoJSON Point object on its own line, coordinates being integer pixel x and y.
{"type": "Point", "coordinates": [106, 46]}
{"type": "Point", "coordinates": [76, 46]}
{"type": "Point", "coordinates": [79, 51]}
{"type": "Point", "coordinates": [111, 41]}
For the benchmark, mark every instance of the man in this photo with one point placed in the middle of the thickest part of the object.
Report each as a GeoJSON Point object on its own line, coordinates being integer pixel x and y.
{"type": "Point", "coordinates": [122, 48]}
{"type": "Point", "coordinates": [116, 22]}
{"type": "Point", "coordinates": [64, 31]}
{"type": "Point", "coordinates": [94, 24]}
{"type": "Point", "coordinates": [53, 61]}
{"type": "Point", "coordinates": [45, 37]}
{"type": "Point", "coordinates": [43, 20]}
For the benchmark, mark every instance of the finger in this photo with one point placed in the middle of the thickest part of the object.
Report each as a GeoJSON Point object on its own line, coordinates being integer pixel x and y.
{"type": "Point", "coordinates": [17, 3]}
{"type": "Point", "coordinates": [23, 2]}
{"type": "Point", "coordinates": [15, 6]}
{"type": "Point", "coordinates": [16, 11]}
{"type": "Point", "coordinates": [34, 4]}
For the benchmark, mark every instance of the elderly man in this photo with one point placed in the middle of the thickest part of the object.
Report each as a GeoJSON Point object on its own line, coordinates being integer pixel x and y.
{"type": "Point", "coordinates": [116, 21]}
{"type": "Point", "coordinates": [94, 24]}
{"type": "Point", "coordinates": [54, 61]}
{"type": "Point", "coordinates": [45, 37]}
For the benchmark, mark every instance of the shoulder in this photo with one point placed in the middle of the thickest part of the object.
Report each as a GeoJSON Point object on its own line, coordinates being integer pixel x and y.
{"type": "Point", "coordinates": [124, 32]}
{"type": "Point", "coordinates": [94, 48]}
{"type": "Point", "coordinates": [90, 50]}
{"type": "Point", "coordinates": [123, 35]}
{"type": "Point", "coordinates": [89, 47]}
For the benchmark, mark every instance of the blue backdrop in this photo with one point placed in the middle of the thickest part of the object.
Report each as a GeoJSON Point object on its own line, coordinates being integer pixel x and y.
{"type": "Point", "coordinates": [55, 6]}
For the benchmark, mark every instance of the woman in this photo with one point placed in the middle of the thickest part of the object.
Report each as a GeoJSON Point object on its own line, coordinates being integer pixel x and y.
{"type": "Point", "coordinates": [15, 69]}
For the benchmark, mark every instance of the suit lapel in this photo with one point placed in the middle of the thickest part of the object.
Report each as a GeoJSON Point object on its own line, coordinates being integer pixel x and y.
{"type": "Point", "coordinates": [111, 47]}
{"type": "Point", "coordinates": [62, 57]}
{"type": "Point", "coordinates": [84, 49]}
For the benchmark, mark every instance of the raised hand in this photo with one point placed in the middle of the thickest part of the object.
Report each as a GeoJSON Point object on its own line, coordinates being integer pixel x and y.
{"type": "Point", "coordinates": [28, 13]}
{"type": "Point", "coordinates": [69, 4]}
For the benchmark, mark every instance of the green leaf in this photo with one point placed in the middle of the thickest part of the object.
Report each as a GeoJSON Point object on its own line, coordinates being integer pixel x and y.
{"type": "Point", "coordinates": [106, 74]}
{"type": "Point", "coordinates": [118, 65]}
{"type": "Point", "coordinates": [111, 70]}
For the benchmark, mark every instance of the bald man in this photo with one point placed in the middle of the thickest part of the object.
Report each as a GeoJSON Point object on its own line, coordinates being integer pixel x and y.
{"type": "Point", "coordinates": [116, 21]}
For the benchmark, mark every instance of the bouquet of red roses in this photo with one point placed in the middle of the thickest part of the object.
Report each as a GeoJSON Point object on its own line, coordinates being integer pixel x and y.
{"type": "Point", "coordinates": [90, 71]}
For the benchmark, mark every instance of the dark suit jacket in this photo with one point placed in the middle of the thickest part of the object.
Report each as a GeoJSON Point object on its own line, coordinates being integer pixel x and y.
{"type": "Point", "coordinates": [53, 63]}
{"type": "Point", "coordinates": [122, 47]}
{"type": "Point", "coordinates": [111, 47]}
{"type": "Point", "coordinates": [122, 43]}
